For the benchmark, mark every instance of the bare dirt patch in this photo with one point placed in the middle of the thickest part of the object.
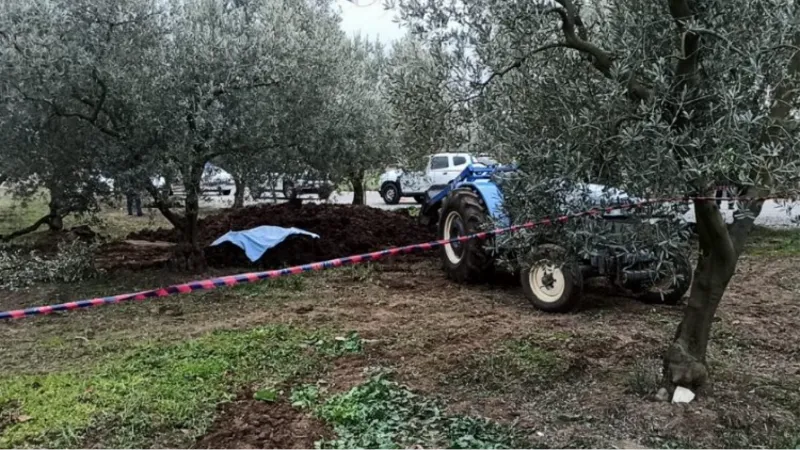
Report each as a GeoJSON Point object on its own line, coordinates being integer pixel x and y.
{"type": "Point", "coordinates": [249, 423]}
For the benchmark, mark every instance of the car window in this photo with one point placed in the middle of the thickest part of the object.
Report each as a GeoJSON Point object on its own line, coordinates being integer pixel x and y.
{"type": "Point", "coordinates": [439, 162]}
{"type": "Point", "coordinates": [459, 160]}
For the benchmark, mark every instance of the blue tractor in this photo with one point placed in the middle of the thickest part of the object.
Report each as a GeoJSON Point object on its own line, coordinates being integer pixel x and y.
{"type": "Point", "coordinates": [553, 280]}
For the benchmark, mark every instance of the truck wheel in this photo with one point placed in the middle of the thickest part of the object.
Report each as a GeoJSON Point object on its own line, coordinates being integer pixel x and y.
{"type": "Point", "coordinates": [671, 288]}
{"type": "Point", "coordinates": [419, 199]}
{"type": "Point", "coordinates": [390, 193]}
{"type": "Point", "coordinates": [552, 283]}
{"type": "Point", "coordinates": [463, 214]}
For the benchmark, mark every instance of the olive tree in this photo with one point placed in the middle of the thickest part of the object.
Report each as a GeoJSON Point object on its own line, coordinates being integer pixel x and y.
{"type": "Point", "coordinates": [162, 79]}
{"type": "Point", "coordinates": [42, 154]}
{"type": "Point", "coordinates": [423, 91]}
{"type": "Point", "coordinates": [356, 123]}
{"type": "Point", "coordinates": [664, 99]}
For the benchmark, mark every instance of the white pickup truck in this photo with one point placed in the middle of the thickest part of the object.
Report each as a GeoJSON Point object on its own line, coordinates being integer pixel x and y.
{"type": "Point", "coordinates": [440, 168]}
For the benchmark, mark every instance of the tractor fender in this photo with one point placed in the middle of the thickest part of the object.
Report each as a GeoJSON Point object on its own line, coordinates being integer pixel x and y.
{"type": "Point", "coordinates": [492, 197]}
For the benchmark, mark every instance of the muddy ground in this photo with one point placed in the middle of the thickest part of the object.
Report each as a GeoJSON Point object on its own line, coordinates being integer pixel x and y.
{"type": "Point", "coordinates": [343, 229]}
{"type": "Point", "coordinates": [584, 379]}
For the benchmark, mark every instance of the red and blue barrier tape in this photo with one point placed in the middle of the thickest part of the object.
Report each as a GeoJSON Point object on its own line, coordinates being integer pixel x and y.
{"type": "Point", "coordinates": [253, 277]}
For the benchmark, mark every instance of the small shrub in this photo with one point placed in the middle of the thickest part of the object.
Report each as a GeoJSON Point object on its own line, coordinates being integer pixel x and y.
{"type": "Point", "coordinates": [73, 262]}
{"type": "Point", "coordinates": [381, 413]}
{"type": "Point", "coordinates": [306, 396]}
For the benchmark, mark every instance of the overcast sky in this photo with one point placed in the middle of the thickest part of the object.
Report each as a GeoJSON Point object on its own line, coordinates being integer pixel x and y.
{"type": "Point", "coordinates": [369, 17]}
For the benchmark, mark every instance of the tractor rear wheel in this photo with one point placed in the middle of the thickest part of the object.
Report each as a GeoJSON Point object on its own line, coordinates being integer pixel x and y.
{"type": "Point", "coordinates": [462, 214]}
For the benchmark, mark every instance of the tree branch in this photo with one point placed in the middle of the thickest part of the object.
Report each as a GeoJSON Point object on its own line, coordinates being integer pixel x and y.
{"type": "Point", "coordinates": [516, 64]}
{"type": "Point", "coordinates": [221, 90]}
{"type": "Point", "coordinates": [172, 217]}
{"type": "Point", "coordinates": [46, 220]}
{"type": "Point", "coordinates": [743, 223]}
{"type": "Point", "coordinates": [30, 229]}
{"type": "Point", "coordinates": [61, 112]}
{"type": "Point", "coordinates": [600, 59]}
{"type": "Point", "coordinates": [712, 225]}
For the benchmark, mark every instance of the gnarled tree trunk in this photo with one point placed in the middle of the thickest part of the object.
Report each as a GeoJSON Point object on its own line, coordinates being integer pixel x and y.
{"type": "Point", "coordinates": [685, 361]}
{"type": "Point", "coordinates": [189, 252]}
{"type": "Point", "coordinates": [720, 248]}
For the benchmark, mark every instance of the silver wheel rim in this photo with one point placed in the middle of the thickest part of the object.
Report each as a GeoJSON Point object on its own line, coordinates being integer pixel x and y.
{"type": "Point", "coordinates": [547, 282]}
{"type": "Point", "coordinates": [390, 194]}
{"type": "Point", "coordinates": [449, 221]}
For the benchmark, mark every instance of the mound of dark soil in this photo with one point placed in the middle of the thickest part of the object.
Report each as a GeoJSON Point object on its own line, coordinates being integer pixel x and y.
{"type": "Point", "coordinates": [248, 423]}
{"type": "Point", "coordinates": [343, 229]}
{"type": "Point", "coordinates": [133, 255]}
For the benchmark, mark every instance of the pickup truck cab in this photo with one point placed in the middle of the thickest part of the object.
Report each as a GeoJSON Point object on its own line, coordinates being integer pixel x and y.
{"type": "Point", "coordinates": [440, 169]}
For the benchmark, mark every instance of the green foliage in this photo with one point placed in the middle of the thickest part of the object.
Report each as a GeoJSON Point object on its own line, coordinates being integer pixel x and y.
{"type": "Point", "coordinates": [154, 88]}
{"type": "Point", "coordinates": [306, 396]}
{"type": "Point", "coordinates": [266, 395]}
{"type": "Point", "coordinates": [384, 414]}
{"type": "Point", "coordinates": [74, 261]}
{"type": "Point", "coordinates": [611, 98]}
{"type": "Point", "coordinates": [155, 393]}
{"type": "Point", "coordinates": [338, 346]}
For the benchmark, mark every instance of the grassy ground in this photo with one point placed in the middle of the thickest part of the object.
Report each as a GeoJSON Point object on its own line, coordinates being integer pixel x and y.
{"type": "Point", "coordinates": [393, 355]}
{"type": "Point", "coordinates": [113, 220]}
{"type": "Point", "coordinates": [774, 242]}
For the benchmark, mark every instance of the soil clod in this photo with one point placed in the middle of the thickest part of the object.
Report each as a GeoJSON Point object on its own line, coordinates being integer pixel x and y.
{"type": "Point", "coordinates": [249, 423]}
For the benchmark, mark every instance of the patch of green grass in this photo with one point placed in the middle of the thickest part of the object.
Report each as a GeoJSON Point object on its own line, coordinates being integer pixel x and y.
{"type": "Point", "coordinates": [112, 220]}
{"type": "Point", "coordinates": [17, 213]}
{"type": "Point", "coordinates": [774, 242]}
{"type": "Point", "coordinates": [514, 363]}
{"type": "Point", "coordinates": [381, 413]}
{"type": "Point", "coordinates": [156, 394]}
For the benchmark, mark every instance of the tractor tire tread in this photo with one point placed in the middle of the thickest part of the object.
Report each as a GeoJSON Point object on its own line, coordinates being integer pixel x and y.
{"type": "Point", "coordinates": [477, 265]}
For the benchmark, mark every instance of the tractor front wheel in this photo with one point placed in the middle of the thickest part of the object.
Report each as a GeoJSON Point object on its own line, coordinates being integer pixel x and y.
{"type": "Point", "coordinates": [463, 214]}
{"type": "Point", "coordinates": [552, 283]}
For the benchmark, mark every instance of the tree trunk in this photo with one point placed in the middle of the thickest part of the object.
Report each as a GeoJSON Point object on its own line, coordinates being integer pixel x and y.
{"type": "Point", "coordinates": [359, 194]}
{"type": "Point", "coordinates": [55, 220]}
{"type": "Point", "coordinates": [720, 248]}
{"type": "Point", "coordinates": [189, 255]}
{"type": "Point", "coordinates": [238, 196]}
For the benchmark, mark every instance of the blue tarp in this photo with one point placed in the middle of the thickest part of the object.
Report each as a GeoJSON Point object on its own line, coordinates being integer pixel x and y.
{"type": "Point", "coordinates": [256, 241]}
